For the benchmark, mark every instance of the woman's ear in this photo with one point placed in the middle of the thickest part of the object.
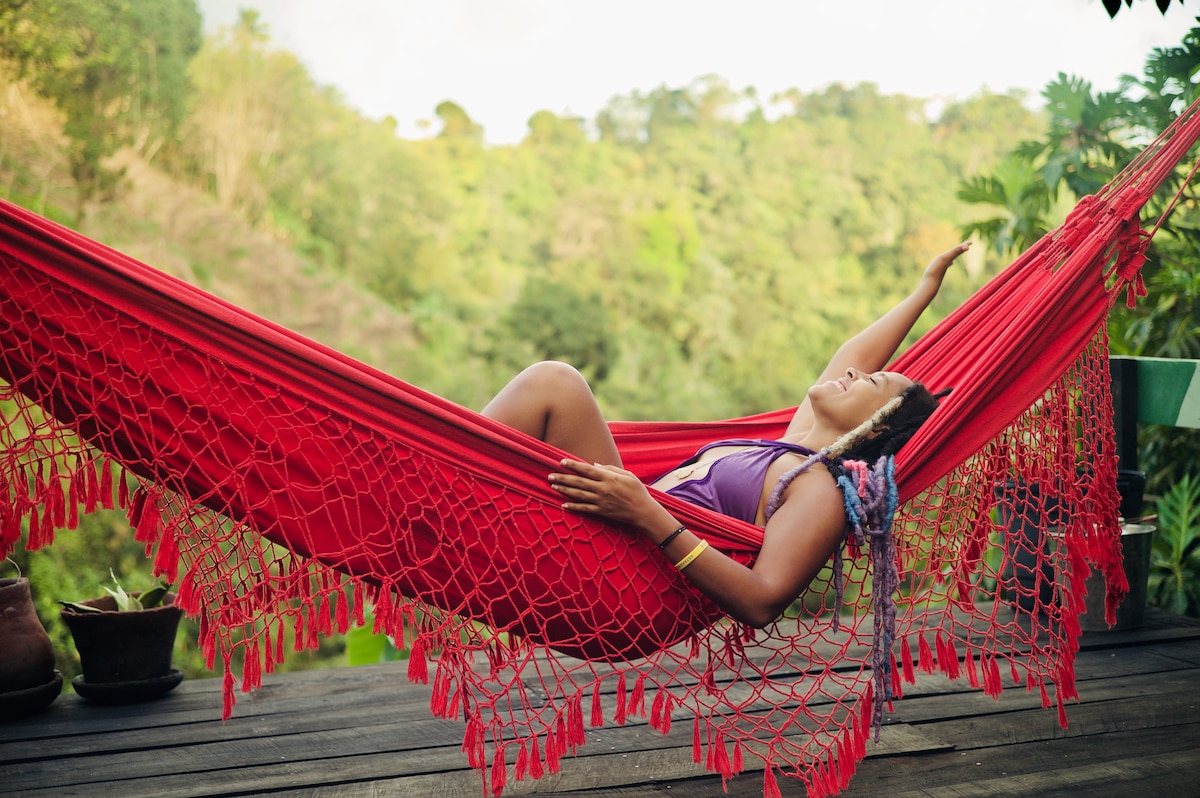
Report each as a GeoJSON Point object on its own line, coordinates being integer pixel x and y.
{"type": "Point", "coordinates": [876, 431]}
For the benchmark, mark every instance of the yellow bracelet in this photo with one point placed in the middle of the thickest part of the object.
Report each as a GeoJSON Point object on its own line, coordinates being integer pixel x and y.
{"type": "Point", "coordinates": [692, 555]}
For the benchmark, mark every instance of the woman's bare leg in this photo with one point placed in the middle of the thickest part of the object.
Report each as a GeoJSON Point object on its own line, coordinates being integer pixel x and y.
{"type": "Point", "coordinates": [553, 402]}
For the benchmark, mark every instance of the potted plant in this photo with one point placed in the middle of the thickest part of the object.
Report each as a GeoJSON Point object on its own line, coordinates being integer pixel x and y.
{"type": "Point", "coordinates": [28, 679]}
{"type": "Point", "coordinates": [125, 642]}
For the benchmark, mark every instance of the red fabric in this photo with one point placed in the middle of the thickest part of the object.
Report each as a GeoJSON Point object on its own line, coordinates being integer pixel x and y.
{"type": "Point", "coordinates": [222, 434]}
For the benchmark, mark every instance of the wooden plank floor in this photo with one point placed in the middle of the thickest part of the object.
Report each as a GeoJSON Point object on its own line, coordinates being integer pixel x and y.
{"type": "Point", "coordinates": [368, 732]}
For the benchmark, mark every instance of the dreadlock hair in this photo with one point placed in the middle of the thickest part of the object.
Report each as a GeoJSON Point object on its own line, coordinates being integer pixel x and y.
{"type": "Point", "coordinates": [862, 465]}
{"type": "Point", "coordinates": [897, 421]}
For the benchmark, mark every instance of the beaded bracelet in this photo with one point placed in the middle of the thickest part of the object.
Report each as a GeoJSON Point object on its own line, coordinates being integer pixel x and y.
{"type": "Point", "coordinates": [692, 555]}
{"type": "Point", "coordinates": [663, 546]}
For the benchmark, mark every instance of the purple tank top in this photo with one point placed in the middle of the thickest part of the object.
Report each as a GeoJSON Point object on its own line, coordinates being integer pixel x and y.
{"type": "Point", "coordinates": [733, 484]}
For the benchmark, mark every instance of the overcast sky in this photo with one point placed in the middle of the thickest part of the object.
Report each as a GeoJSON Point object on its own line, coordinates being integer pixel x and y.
{"type": "Point", "coordinates": [503, 60]}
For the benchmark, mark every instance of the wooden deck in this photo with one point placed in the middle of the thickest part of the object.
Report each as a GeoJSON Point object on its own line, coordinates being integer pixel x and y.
{"type": "Point", "coordinates": [367, 732]}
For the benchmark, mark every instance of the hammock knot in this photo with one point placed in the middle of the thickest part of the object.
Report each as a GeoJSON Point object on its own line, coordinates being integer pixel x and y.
{"type": "Point", "coordinates": [1080, 222]}
{"type": "Point", "coordinates": [1130, 246]}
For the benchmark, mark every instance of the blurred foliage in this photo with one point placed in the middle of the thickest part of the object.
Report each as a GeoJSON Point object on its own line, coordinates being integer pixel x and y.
{"type": "Point", "coordinates": [116, 71]}
{"type": "Point", "coordinates": [1090, 136]}
{"type": "Point", "coordinates": [1174, 582]}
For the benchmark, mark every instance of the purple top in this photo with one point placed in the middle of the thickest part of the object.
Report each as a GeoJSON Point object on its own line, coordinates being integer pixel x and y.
{"type": "Point", "coordinates": [733, 484]}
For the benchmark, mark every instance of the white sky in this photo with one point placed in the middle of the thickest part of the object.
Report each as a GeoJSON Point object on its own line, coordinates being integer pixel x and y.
{"type": "Point", "coordinates": [503, 60]}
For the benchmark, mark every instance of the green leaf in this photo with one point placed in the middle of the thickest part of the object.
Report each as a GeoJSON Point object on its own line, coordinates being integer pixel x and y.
{"type": "Point", "coordinates": [154, 596]}
{"type": "Point", "coordinates": [79, 607]}
{"type": "Point", "coordinates": [125, 602]}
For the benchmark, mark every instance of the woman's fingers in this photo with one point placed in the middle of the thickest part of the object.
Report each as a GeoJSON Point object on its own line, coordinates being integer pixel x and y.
{"type": "Point", "coordinates": [609, 491]}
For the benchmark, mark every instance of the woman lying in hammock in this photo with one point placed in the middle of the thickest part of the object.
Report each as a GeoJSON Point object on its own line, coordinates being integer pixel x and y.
{"type": "Point", "coordinates": [854, 412]}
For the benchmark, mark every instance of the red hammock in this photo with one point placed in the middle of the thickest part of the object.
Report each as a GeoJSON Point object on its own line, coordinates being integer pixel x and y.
{"type": "Point", "coordinates": [282, 481]}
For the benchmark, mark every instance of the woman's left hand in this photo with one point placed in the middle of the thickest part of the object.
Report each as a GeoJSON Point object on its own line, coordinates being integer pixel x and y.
{"type": "Point", "coordinates": [936, 269]}
{"type": "Point", "coordinates": [604, 490]}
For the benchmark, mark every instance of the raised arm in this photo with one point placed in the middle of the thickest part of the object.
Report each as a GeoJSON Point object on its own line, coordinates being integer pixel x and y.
{"type": "Point", "coordinates": [872, 349]}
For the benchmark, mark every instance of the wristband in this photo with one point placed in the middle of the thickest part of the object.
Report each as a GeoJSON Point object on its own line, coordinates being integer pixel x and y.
{"type": "Point", "coordinates": [663, 546]}
{"type": "Point", "coordinates": [691, 555]}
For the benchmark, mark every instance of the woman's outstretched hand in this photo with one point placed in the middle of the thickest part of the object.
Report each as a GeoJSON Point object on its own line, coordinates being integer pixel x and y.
{"type": "Point", "coordinates": [937, 267]}
{"type": "Point", "coordinates": [604, 490]}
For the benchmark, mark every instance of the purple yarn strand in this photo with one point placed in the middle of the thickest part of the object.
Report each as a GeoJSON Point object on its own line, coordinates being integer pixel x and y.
{"type": "Point", "coordinates": [869, 519]}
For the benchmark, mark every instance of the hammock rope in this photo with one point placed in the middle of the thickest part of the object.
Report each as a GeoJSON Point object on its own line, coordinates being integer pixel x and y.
{"type": "Point", "coordinates": [290, 491]}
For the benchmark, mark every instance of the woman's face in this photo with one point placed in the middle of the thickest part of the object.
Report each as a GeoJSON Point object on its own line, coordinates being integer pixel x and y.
{"type": "Point", "coordinates": [854, 397]}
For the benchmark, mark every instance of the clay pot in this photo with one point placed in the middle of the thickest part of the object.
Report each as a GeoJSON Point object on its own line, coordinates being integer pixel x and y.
{"type": "Point", "coordinates": [123, 647]}
{"type": "Point", "coordinates": [28, 680]}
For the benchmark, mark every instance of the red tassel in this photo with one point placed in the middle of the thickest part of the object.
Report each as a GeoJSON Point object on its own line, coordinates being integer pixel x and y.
{"type": "Point", "coordinates": [845, 759]}
{"type": "Point", "coordinates": [619, 716]}
{"type": "Point", "coordinates": [947, 656]}
{"type": "Point", "coordinates": [551, 752]}
{"type": "Point", "coordinates": [441, 694]}
{"type": "Point", "coordinates": [91, 494]}
{"type": "Point", "coordinates": [382, 616]}
{"type": "Point", "coordinates": [770, 787]}
{"type": "Point", "coordinates": [56, 503]}
{"type": "Point", "coordinates": [268, 650]}
{"type": "Point", "coordinates": [925, 656]}
{"type": "Point", "coordinates": [656, 710]}
{"type": "Point", "coordinates": [997, 679]}
{"type": "Point", "coordinates": [499, 772]}
{"type": "Point", "coordinates": [208, 641]}
{"type": "Point", "coordinates": [575, 735]}
{"type": "Point", "coordinates": [251, 671]}
{"type": "Point", "coordinates": [134, 514]}
{"type": "Point", "coordinates": [560, 737]}
{"type": "Point", "coordinates": [418, 668]}
{"type": "Point", "coordinates": [324, 624]}
{"type": "Point", "coordinates": [313, 619]}
{"type": "Point", "coordinates": [522, 765]}
{"type": "Point", "coordinates": [721, 759]}
{"type": "Point", "coordinates": [969, 663]}
{"type": "Point", "coordinates": [739, 763]}
{"type": "Point", "coordinates": [10, 528]}
{"type": "Point", "coordinates": [597, 709]}
{"type": "Point", "coordinates": [472, 744]}
{"type": "Point", "coordinates": [860, 741]}
{"type": "Point", "coordinates": [166, 560]}
{"type": "Point", "coordinates": [535, 760]}
{"type": "Point", "coordinates": [37, 536]}
{"type": "Point", "coordinates": [343, 613]}
{"type": "Point", "coordinates": [74, 488]}
{"type": "Point", "coordinates": [637, 698]}
{"type": "Point", "coordinates": [298, 637]}
{"type": "Point", "coordinates": [227, 693]}
{"type": "Point", "coordinates": [696, 751]}
{"type": "Point", "coordinates": [106, 485]}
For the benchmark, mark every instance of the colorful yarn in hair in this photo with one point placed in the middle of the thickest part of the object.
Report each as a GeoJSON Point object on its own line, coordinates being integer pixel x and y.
{"type": "Point", "coordinates": [871, 499]}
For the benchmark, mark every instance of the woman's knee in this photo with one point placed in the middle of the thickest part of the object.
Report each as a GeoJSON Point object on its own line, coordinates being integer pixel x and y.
{"type": "Point", "coordinates": [555, 378]}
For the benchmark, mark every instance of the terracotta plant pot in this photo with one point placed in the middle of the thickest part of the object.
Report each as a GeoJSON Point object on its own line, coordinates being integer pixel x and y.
{"type": "Point", "coordinates": [28, 680]}
{"type": "Point", "coordinates": [125, 656]}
